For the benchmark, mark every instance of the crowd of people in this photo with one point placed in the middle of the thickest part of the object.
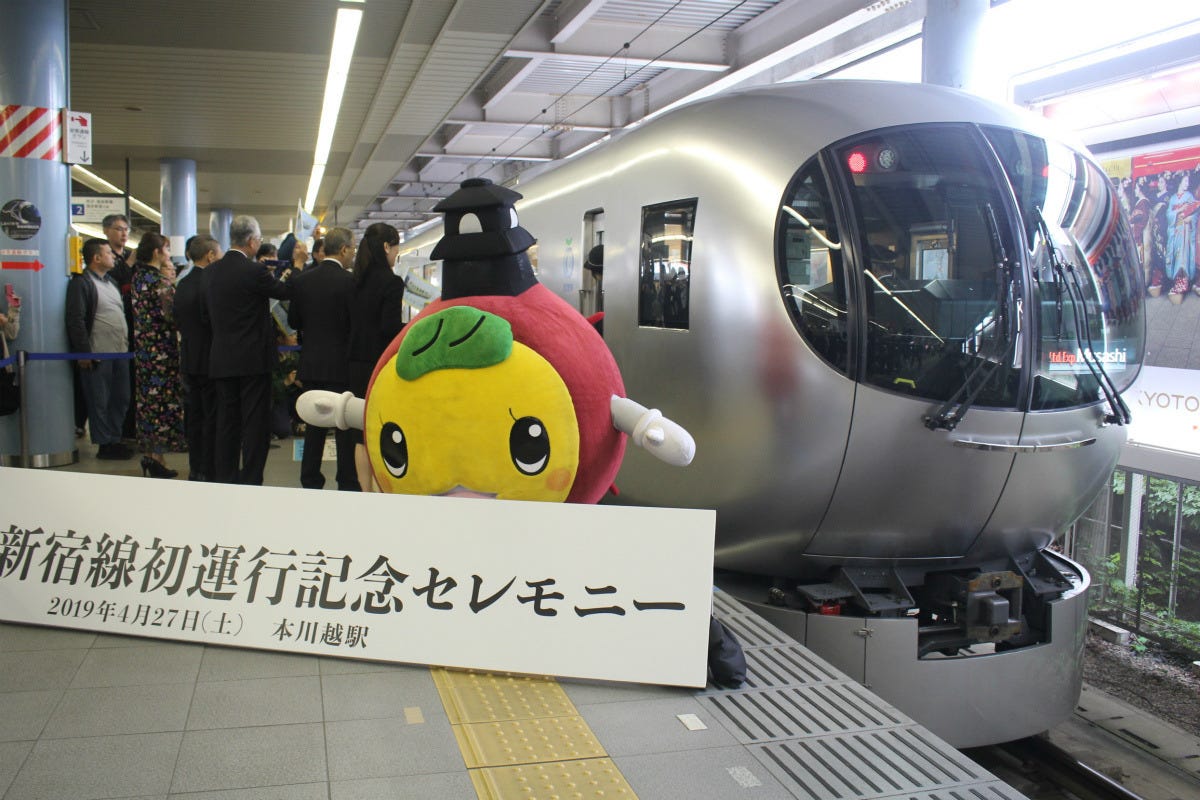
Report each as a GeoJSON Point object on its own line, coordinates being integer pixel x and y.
{"type": "Point", "coordinates": [207, 362]}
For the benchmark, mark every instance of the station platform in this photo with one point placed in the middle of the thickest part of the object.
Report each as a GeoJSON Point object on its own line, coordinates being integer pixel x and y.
{"type": "Point", "coordinates": [92, 715]}
{"type": "Point", "coordinates": [101, 716]}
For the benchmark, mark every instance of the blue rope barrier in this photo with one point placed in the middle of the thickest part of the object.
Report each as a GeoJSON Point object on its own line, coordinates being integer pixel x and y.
{"type": "Point", "coordinates": [5, 362]}
{"type": "Point", "coordinates": [285, 348]}
{"type": "Point", "coordinates": [78, 356]}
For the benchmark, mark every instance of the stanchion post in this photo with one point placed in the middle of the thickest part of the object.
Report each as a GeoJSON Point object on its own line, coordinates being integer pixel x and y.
{"type": "Point", "coordinates": [23, 410]}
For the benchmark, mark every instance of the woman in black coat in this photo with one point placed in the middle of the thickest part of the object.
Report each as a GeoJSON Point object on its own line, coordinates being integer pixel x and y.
{"type": "Point", "coordinates": [376, 315]}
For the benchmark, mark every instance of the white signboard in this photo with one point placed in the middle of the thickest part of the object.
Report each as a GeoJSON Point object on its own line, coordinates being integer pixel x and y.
{"type": "Point", "coordinates": [1166, 409]}
{"type": "Point", "coordinates": [600, 592]}
{"type": "Point", "coordinates": [95, 209]}
{"type": "Point", "coordinates": [78, 140]}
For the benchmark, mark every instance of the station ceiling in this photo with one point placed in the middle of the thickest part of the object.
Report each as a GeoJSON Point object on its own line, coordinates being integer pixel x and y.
{"type": "Point", "coordinates": [438, 90]}
{"type": "Point", "coordinates": [442, 90]}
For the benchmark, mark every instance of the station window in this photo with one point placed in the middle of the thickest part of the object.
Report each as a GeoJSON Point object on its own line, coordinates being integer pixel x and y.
{"type": "Point", "coordinates": [939, 270]}
{"type": "Point", "coordinates": [810, 267]}
{"type": "Point", "coordinates": [666, 264]}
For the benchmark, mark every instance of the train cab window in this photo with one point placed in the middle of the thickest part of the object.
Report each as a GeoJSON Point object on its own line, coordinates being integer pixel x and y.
{"type": "Point", "coordinates": [1088, 284]}
{"type": "Point", "coordinates": [937, 264]}
{"type": "Point", "coordinates": [810, 266]}
{"type": "Point", "coordinates": [664, 279]}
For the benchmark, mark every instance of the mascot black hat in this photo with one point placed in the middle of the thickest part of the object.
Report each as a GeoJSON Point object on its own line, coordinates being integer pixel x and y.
{"type": "Point", "coordinates": [483, 249]}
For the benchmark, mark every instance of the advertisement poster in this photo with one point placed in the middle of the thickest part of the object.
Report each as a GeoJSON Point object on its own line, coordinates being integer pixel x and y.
{"type": "Point", "coordinates": [1159, 193]}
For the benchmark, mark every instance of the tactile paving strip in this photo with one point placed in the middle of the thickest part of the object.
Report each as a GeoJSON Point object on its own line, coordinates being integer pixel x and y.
{"type": "Point", "coordinates": [591, 778]}
{"type": "Point", "coordinates": [471, 696]}
{"type": "Point", "coordinates": [521, 737]}
{"type": "Point", "coordinates": [526, 741]}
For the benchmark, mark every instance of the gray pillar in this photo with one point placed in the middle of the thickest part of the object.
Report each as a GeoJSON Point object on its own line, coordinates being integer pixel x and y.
{"type": "Point", "coordinates": [219, 220]}
{"type": "Point", "coordinates": [950, 38]}
{"type": "Point", "coordinates": [177, 195]}
{"type": "Point", "coordinates": [33, 72]}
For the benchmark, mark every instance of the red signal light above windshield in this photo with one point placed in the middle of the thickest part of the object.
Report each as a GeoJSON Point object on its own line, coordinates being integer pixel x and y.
{"type": "Point", "coordinates": [857, 161]}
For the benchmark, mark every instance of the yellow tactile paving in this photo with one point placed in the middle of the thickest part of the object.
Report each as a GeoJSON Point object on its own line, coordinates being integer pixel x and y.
{"type": "Point", "coordinates": [526, 741]}
{"type": "Point", "coordinates": [591, 778]}
{"type": "Point", "coordinates": [486, 697]}
{"type": "Point", "coordinates": [522, 737]}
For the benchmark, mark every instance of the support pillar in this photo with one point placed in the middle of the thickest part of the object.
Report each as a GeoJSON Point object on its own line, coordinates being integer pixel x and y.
{"type": "Point", "coordinates": [219, 220]}
{"type": "Point", "coordinates": [950, 38]}
{"type": "Point", "coordinates": [35, 185]}
{"type": "Point", "coordinates": [177, 194]}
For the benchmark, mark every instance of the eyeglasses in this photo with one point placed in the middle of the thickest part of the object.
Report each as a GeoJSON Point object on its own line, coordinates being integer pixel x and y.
{"type": "Point", "coordinates": [119, 229]}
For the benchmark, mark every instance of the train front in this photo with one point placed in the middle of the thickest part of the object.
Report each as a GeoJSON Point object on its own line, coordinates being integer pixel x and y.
{"type": "Point", "coordinates": [977, 289]}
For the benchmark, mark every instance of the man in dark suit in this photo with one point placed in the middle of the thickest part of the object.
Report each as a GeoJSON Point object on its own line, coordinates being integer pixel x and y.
{"type": "Point", "coordinates": [195, 333]}
{"type": "Point", "coordinates": [243, 353]}
{"type": "Point", "coordinates": [320, 311]}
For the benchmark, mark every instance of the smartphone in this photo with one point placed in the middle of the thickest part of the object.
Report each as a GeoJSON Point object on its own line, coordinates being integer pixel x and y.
{"type": "Point", "coordinates": [10, 296]}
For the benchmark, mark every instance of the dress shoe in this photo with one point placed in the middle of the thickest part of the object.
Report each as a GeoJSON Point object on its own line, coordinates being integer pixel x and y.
{"type": "Point", "coordinates": [153, 469]}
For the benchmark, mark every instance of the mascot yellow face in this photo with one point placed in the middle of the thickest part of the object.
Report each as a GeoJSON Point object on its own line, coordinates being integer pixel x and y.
{"type": "Point", "coordinates": [463, 410]}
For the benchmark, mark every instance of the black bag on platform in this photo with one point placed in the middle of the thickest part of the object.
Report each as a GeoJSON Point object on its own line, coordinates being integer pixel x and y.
{"type": "Point", "coordinates": [10, 392]}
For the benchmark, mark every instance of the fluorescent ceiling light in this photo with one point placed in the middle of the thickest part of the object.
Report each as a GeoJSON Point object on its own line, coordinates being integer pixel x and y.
{"type": "Point", "coordinates": [96, 183]}
{"type": "Point", "coordinates": [345, 34]}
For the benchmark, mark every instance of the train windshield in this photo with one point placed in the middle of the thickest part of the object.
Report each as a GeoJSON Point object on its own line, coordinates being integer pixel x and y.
{"type": "Point", "coordinates": [964, 297]}
{"type": "Point", "coordinates": [936, 255]}
{"type": "Point", "coordinates": [1086, 284]}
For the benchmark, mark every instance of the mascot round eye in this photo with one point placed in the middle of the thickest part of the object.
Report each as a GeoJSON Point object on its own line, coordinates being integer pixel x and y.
{"type": "Point", "coordinates": [394, 449]}
{"type": "Point", "coordinates": [529, 445]}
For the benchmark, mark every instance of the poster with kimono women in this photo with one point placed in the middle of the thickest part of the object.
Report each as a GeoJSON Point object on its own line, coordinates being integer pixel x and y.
{"type": "Point", "coordinates": [1159, 193]}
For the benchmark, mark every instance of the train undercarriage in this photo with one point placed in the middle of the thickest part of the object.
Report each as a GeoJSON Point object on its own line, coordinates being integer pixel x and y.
{"type": "Point", "coordinates": [979, 656]}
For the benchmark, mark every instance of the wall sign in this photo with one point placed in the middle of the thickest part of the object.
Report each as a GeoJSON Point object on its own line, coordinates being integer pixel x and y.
{"type": "Point", "coordinates": [20, 219]}
{"type": "Point", "coordinates": [601, 592]}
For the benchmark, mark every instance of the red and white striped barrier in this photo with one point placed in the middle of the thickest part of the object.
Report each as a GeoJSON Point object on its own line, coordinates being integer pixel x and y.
{"type": "Point", "coordinates": [30, 132]}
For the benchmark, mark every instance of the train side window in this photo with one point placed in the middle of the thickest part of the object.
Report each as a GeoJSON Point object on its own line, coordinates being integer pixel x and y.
{"type": "Point", "coordinates": [664, 280]}
{"type": "Point", "coordinates": [809, 260]}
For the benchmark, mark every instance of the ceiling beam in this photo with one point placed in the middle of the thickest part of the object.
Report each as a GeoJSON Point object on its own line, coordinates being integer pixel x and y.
{"type": "Point", "coordinates": [510, 124]}
{"type": "Point", "coordinates": [485, 156]}
{"type": "Point", "coordinates": [572, 16]}
{"type": "Point", "coordinates": [620, 58]}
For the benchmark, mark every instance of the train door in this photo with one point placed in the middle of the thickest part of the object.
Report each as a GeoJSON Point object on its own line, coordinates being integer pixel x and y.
{"type": "Point", "coordinates": [591, 287]}
{"type": "Point", "coordinates": [935, 258]}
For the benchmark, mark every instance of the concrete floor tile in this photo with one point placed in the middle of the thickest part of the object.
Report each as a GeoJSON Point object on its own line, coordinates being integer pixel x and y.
{"type": "Point", "coordinates": [257, 702]}
{"type": "Point", "coordinates": [231, 663]}
{"type": "Point", "coordinates": [39, 669]}
{"type": "Point", "coordinates": [653, 726]}
{"type": "Point", "coordinates": [152, 663]}
{"type": "Point", "coordinates": [12, 756]}
{"type": "Point", "coordinates": [298, 791]}
{"type": "Point", "coordinates": [246, 758]}
{"type": "Point", "coordinates": [16, 638]}
{"type": "Point", "coordinates": [97, 767]}
{"type": "Point", "coordinates": [107, 711]}
{"type": "Point", "coordinates": [25, 714]}
{"type": "Point", "coordinates": [384, 748]}
{"type": "Point", "coordinates": [375, 695]}
{"type": "Point", "coordinates": [442, 786]}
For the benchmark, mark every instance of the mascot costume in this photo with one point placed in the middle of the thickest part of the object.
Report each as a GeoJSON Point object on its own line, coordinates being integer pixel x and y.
{"type": "Point", "coordinates": [500, 389]}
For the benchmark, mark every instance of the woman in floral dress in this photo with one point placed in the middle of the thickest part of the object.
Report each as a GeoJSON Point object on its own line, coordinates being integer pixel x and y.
{"type": "Point", "coordinates": [156, 360]}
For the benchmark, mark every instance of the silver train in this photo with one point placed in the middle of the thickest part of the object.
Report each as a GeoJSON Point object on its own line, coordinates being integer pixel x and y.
{"type": "Point", "coordinates": [897, 320]}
